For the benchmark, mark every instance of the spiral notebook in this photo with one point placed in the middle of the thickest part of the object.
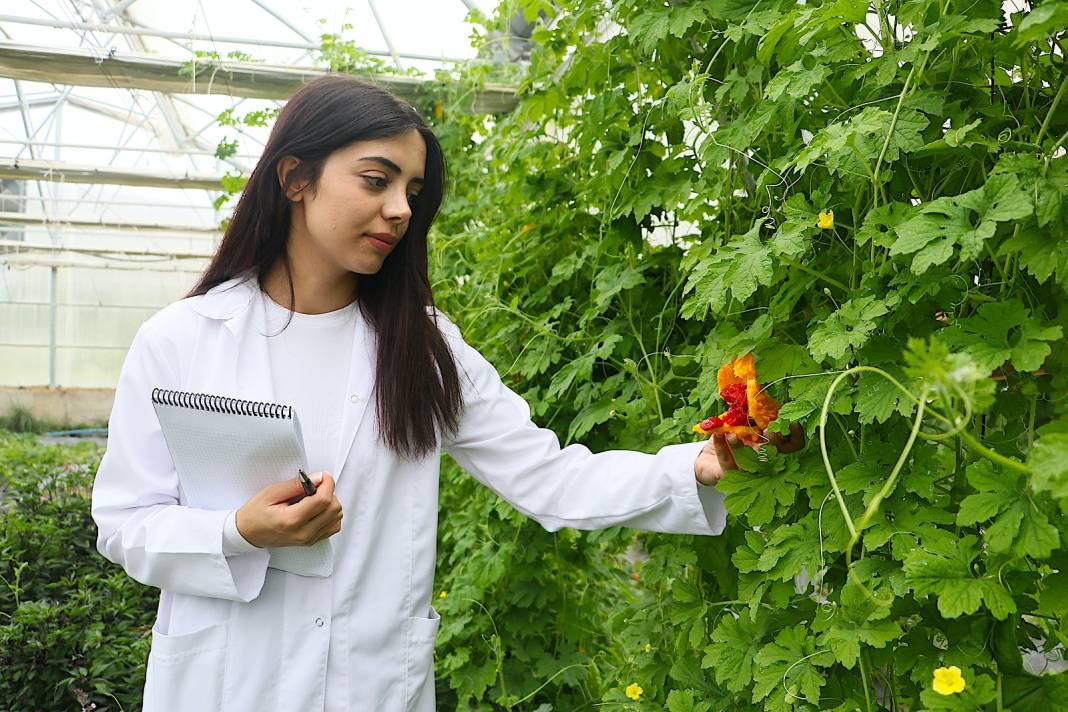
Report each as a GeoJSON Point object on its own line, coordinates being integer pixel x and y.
{"type": "Point", "coordinates": [226, 450]}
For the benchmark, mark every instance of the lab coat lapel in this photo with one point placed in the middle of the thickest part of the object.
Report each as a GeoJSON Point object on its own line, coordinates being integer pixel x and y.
{"type": "Point", "coordinates": [359, 389]}
{"type": "Point", "coordinates": [241, 366]}
{"type": "Point", "coordinates": [252, 365]}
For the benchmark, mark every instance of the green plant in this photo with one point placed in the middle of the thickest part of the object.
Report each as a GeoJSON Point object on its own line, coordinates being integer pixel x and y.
{"type": "Point", "coordinates": [19, 419]}
{"type": "Point", "coordinates": [871, 198]}
{"type": "Point", "coordinates": [73, 627]}
{"type": "Point", "coordinates": [650, 210]}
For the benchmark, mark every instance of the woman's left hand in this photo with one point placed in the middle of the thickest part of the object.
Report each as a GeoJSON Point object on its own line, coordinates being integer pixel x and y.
{"type": "Point", "coordinates": [714, 460]}
{"type": "Point", "coordinates": [717, 456]}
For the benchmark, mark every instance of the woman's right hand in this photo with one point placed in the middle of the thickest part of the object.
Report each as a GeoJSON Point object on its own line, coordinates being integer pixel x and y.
{"type": "Point", "coordinates": [268, 520]}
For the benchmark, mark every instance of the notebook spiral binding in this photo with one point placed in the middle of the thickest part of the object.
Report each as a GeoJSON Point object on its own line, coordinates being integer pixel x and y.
{"type": "Point", "coordinates": [220, 404]}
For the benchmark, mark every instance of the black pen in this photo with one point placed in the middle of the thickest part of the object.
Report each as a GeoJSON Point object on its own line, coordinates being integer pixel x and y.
{"type": "Point", "coordinates": [305, 482]}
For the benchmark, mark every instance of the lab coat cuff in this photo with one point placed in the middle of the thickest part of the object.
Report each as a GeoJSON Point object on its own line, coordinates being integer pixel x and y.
{"type": "Point", "coordinates": [705, 502]}
{"type": "Point", "coordinates": [233, 542]}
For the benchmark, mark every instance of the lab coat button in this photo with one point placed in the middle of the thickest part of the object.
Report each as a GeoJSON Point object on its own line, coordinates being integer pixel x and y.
{"type": "Point", "coordinates": [354, 398]}
{"type": "Point", "coordinates": [318, 622]}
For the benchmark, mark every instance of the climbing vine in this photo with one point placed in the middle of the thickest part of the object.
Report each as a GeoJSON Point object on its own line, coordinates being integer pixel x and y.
{"type": "Point", "coordinates": [871, 199]}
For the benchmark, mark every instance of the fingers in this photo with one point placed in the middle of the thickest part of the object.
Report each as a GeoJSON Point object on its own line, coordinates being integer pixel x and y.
{"type": "Point", "coordinates": [325, 524]}
{"type": "Point", "coordinates": [791, 443]}
{"type": "Point", "coordinates": [723, 452]}
{"type": "Point", "coordinates": [283, 491]}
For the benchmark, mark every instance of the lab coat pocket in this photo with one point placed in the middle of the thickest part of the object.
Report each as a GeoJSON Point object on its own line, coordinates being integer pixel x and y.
{"type": "Point", "coordinates": [185, 671]}
{"type": "Point", "coordinates": [419, 683]}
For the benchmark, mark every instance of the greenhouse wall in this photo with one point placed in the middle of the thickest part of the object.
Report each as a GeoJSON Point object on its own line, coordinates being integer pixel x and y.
{"type": "Point", "coordinates": [96, 313]}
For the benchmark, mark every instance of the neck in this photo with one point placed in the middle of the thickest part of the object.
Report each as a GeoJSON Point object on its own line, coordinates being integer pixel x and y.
{"type": "Point", "coordinates": [313, 291]}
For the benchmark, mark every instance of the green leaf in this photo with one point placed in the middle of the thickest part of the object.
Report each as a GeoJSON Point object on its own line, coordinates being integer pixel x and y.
{"type": "Point", "coordinates": [943, 568]}
{"type": "Point", "coordinates": [1000, 332]}
{"type": "Point", "coordinates": [685, 701]}
{"type": "Point", "coordinates": [734, 645]}
{"type": "Point", "coordinates": [795, 81]}
{"type": "Point", "coordinates": [847, 328]}
{"type": "Point", "coordinates": [965, 221]}
{"type": "Point", "coordinates": [858, 619]}
{"type": "Point", "coordinates": [787, 669]}
{"type": "Point", "coordinates": [614, 279]}
{"type": "Point", "coordinates": [1047, 19]}
{"type": "Point", "coordinates": [760, 489]}
{"type": "Point", "coordinates": [737, 268]}
{"type": "Point", "coordinates": [1048, 461]}
{"type": "Point", "coordinates": [1017, 524]}
{"type": "Point", "coordinates": [877, 399]}
{"type": "Point", "coordinates": [1041, 252]}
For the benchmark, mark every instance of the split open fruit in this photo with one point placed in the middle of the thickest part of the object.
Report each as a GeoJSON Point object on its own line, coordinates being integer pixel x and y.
{"type": "Point", "coordinates": [749, 408]}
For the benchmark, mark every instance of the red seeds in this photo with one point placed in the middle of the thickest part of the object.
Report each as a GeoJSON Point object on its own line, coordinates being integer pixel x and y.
{"type": "Point", "coordinates": [735, 395]}
{"type": "Point", "coordinates": [712, 423]}
{"type": "Point", "coordinates": [736, 415]}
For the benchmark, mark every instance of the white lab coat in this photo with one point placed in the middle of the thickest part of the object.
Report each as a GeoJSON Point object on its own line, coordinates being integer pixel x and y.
{"type": "Point", "coordinates": [231, 634]}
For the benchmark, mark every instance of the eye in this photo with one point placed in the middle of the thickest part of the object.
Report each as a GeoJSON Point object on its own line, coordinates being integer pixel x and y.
{"type": "Point", "coordinates": [376, 181]}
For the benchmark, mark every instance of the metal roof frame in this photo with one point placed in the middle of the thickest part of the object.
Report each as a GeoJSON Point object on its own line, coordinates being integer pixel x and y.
{"type": "Point", "coordinates": [98, 62]}
{"type": "Point", "coordinates": [129, 70]}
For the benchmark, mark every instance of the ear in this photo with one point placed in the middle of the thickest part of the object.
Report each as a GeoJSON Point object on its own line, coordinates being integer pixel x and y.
{"type": "Point", "coordinates": [285, 166]}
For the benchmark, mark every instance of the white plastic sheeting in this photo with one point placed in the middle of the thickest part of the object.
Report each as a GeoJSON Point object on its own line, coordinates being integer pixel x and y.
{"type": "Point", "coordinates": [67, 313]}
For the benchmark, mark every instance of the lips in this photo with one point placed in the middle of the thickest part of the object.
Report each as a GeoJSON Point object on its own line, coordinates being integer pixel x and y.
{"type": "Point", "coordinates": [382, 241]}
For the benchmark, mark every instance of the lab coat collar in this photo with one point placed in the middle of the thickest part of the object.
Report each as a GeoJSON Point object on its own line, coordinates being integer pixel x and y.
{"type": "Point", "coordinates": [228, 299]}
{"type": "Point", "coordinates": [233, 302]}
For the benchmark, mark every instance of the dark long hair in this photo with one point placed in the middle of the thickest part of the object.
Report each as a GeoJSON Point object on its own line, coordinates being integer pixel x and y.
{"type": "Point", "coordinates": [417, 384]}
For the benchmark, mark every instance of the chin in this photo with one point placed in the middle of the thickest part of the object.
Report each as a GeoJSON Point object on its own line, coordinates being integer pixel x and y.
{"type": "Point", "coordinates": [366, 267]}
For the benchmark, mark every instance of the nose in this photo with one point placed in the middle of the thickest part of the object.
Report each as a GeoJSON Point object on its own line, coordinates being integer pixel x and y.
{"type": "Point", "coordinates": [396, 208]}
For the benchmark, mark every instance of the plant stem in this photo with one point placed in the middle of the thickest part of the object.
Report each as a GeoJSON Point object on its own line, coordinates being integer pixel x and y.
{"type": "Point", "coordinates": [888, 486]}
{"type": "Point", "coordinates": [815, 273]}
{"type": "Point", "coordinates": [890, 133]}
{"type": "Point", "coordinates": [1052, 108]}
{"type": "Point", "coordinates": [989, 454]}
{"type": "Point", "coordinates": [864, 680]}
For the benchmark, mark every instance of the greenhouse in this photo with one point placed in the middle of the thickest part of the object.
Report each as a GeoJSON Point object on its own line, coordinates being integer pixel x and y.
{"type": "Point", "coordinates": [547, 355]}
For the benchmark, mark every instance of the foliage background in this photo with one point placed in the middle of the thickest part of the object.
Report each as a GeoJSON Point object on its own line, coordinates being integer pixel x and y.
{"type": "Point", "coordinates": [649, 211]}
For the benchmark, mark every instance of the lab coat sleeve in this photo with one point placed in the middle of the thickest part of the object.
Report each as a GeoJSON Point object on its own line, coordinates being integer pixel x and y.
{"type": "Point", "coordinates": [140, 524]}
{"type": "Point", "coordinates": [498, 444]}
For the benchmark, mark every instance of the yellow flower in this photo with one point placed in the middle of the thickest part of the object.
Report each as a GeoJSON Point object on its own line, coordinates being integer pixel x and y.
{"type": "Point", "coordinates": [633, 691]}
{"type": "Point", "coordinates": [948, 680]}
{"type": "Point", "coordinates": [648, 648]}
{"type": "Point", "coordinates": [443, 594]}
{"type": "Point", "coordinates": [439, 110]}
{"type": "Point", "coordinates": [826, 220]}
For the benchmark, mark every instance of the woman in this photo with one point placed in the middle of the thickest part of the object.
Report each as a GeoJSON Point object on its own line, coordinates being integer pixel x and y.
{"type": "Point", "coordinates": [321, 283]}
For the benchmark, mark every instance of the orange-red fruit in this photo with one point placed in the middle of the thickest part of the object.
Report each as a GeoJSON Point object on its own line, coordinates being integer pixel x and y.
{"type": "Point", "coordinates": [736, 415]}
{"type": "Point", "coordinates": [711, 423]}
{"type": "Point", "coordinates": [734, 394]}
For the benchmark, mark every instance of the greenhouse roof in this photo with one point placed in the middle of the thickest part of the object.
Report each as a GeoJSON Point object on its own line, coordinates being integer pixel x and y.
{"type": "Point", "coordinates": [108, 138]}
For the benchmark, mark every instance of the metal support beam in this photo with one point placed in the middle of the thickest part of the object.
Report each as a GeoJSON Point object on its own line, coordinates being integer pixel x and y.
{"type": "Point", "coordinates": [385, 35]}
{"type": "Point", "coordinates": [143, 31]}
{"type": "Point", "coordinates": [128, 70]}
{"type": "Point", "coordinates": [98, 147]}
{"type": "Point", "coordinates": [63, 223]}
{"type": "Point", "coordinates": [160, 264]}
{"type": "Point", "coordinates": [53, 297]}
{"type": "Point", "coordinates": [118, 9]}
{"type": "Point", "coordinates": [72, 173]}
{"type": "Point", "coordinates": [278, 16]}
{"type": "Point", "coordinates": [7, 247]}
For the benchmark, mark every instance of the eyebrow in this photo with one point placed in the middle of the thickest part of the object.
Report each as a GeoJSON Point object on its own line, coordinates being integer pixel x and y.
{"type": "Point", "coordinates": [390, 166]}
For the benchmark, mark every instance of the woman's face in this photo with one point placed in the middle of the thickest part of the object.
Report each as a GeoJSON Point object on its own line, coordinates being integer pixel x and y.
{"type": "Point", "coordinates": [360, 207]}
